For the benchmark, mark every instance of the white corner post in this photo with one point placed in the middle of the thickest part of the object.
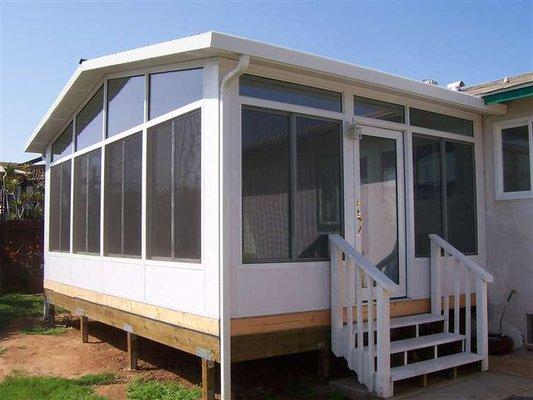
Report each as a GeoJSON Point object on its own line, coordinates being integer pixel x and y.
{"type": "Point", "coordinates": [227, 122]}
{"type": "Point", "coordinates": [436, 301]}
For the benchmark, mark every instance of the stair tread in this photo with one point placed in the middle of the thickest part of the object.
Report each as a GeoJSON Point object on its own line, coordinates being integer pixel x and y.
{"type": "Point", "coordinates": [433, 365]}
{"type": "Point", "coordinates": [399, 346]}
{"type": "Point", "coordinates": [409, 320]}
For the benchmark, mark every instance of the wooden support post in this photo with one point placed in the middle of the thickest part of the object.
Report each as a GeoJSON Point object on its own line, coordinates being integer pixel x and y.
{"type": "Point", "coordinates": [49, 313]}
{"type": "Point", "coordinates": [84, 329]}
{"type": "Point", "coordinates": [323, 364]}
{"type": "Point", "coordinates": [132, 351]}
{"type": "Point", "coordinates": [455, 373]}
{"type": "Point", "coordinates": [425, 380]}
{"type": "Point", "coordinates": [208, 379]}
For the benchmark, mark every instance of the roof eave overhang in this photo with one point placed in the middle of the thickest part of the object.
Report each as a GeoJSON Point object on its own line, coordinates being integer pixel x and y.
{"type": "Point", "coordinates": [516, 93]}
{"type": "Point", "coordinates": [213, 44]}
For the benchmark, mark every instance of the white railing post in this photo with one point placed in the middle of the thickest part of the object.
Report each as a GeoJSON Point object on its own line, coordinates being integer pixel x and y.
{"type": "Point", "coordinates": [457, 298]}
{"type": "Point", "coordinates": [369, 360]}
{"type": "Point", "coordinates": [349, 340]}
{"type": "Point", "coordinates": [468, 311]}
{"type": "Point", "coordinates": [336, 302]}
{"type": "Point", "coordinates": [435, 279]}
{"type": "Point", "coordinates": [446, 290]}
{"type": "Point", "coordinates": [383, 381]}
{"type": "Point", "coordinates": [482, 322]}
{"type": "Point", "coordinates": [359, 310]}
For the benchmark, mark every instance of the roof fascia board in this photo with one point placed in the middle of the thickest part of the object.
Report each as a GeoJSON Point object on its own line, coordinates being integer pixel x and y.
{"type": "Point", "coordinates": [345, 70]}
{"type": "Point", "coordinates": [514, 93]}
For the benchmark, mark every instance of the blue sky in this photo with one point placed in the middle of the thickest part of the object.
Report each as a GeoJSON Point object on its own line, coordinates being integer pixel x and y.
{"type": "Point", "coordinates": [42, 42]}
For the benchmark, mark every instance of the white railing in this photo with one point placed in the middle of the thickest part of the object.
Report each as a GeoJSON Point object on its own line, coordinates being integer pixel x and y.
{"type": "Point", "coordinates": [354, 281]}
{"type": "Point", "coordinates": [451, 269]}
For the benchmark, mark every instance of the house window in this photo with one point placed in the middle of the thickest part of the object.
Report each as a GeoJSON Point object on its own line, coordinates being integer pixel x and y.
{"type": "Point", "coordinates": [174, 194]}
{"type": "Point", "coordinates": [172, 90]}
{"type": "Point", "coordinates": [444, 193]}
{"type": "Point", "coordinates": [291, 193]}
{"type": "Point", "coordinates": [441, 122]}
{"type": "Point", "coordinates": [59, 239]}
{"type": "Point", "coordinates": [292, 93]}
{"type": "Point", "coordinates": [377, 109]}
{"type": "Point", "coordinates": [123, 183]}
{"type": "Point", "coordinates": [87, 171]}
{"type": "Point", "coordinates": [63, 144]}
{"type": "Point", "coordinates": [514, 154]}
{"type": "Point", "coordinates": [89, 121]}
{"type": "Point", "coordinates": [125, 103]}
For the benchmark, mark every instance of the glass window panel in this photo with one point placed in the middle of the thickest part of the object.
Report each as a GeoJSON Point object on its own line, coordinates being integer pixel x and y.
{"type": "Point", "coordinates": [172, 90]}
{"type": "Point", "coordinates": [187, 167]}
{"type": "Point", "coordinates": [65, 206]}
{"type": "Point", "coordinates": [125, 103]}
{"type": "Point", "coordinates": [55, 208]}
{"type": "Point", "coordinates": [123, 197]}
{"type": "Point", "coordinates": [441, 122]}
{"type": "Point", "coordinates": [317, 197]}
{"type": "Point", "coordinates": [132, 195]}
{"type": "Point", "coordinates": [286, 92]}
{"type": "Point", "coordinates": [160, 192]}
{"type": "Point", "coordinates": [113, 198]}
{"type": "Point", "coordinates": [427, 192]}
{"type": "Point", "coordinates": [516, 162]}
{"type": "Point", "coordinates": [87, 202]}
{"type": "Point", "coordinates": [377, 109]}
{"type": "Point", "coordinates": [460, 196]}
{"type": "Point", "coordinates": [89, 122]}
{"type": "Point", "coordinates": [265, 185]}
{"type": "Point", "coordinates": [63, 145]}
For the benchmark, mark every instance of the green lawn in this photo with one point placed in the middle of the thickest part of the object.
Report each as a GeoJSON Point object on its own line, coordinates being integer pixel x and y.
{"type": "Point", "coordinates": [17, 305]}
{"type": "Point", "coordinates": [156, 390]}
{"type": "Point", "coordinates": [42, 330]}
{"type": "Point", "coordinates": [24, 387]}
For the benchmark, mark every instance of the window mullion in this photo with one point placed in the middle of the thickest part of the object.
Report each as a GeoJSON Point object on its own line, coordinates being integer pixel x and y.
{"type": "Point", "coordinates": [122, 197]}
{"type": "Point", "coordinates": [172, 190]}
{"type": "Point", "coordinates": [444, 189]}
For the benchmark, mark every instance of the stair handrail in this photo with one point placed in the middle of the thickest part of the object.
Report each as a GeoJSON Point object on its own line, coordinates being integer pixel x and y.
{"type": "Point", "coordinates": [460, 268]}
{"type": "Point", "coordinates": [353, 278]}
{"type": "Point", "coordinates": [476, 268]}
{"type": "Point", "coordinates": [364, 263]}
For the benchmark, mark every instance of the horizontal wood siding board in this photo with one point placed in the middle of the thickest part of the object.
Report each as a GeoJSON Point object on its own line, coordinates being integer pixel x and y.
{"type": "Point", "coordinates": [181, 338]}
{"type": "Point", "coordinates": [264, 345]}
{"type": "Point", "coordinates": [174, 317]}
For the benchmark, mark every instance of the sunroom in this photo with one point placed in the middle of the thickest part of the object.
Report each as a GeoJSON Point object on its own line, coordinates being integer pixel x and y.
{"type": "Point", "coordinates": [234, 200]}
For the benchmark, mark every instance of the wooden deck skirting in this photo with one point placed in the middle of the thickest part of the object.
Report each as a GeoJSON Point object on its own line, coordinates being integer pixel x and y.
{"type": "Point", "coordinates": [188, 340]}
{"type": "Point", "coordinates": [186, 320]}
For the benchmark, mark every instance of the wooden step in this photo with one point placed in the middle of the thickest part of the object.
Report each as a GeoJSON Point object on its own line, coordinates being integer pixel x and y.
{"type": "Point", "coordinates": [399, 346]}
{"type": "Point", "coordinates": [433, 365]}
{"type": "Point", "coordinates": [410, 320]}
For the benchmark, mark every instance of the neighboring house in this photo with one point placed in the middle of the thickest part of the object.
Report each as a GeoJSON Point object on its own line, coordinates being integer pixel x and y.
{"type": "Point", "coordinates": [508, 153]}
{"type": "Point", "coordinates": [238, 200]}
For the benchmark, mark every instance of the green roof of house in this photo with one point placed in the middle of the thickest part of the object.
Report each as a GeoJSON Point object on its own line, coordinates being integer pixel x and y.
{"type": "Point", "coordinates": [505, 89]}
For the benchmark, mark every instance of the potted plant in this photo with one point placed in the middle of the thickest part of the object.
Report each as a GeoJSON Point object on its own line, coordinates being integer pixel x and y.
{"type": "Point", "coordinates": [499, 343]}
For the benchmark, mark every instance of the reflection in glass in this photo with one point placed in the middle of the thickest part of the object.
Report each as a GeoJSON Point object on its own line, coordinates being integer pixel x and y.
{"type": "Point", "coordinates": [89, 121]}
{"type": "Point", "coordinates": [286, 92]}
{"type": "Point", "coordinates": [63, 145]}
{"type": "Point", "coordinates": [87, 203]}
{"type": "Point", "coordinates": [427, 192]}
{"type": "Point", "coordinates": [317, 197]}
{"type": "Point", "coordinates": [441, 122]}
{"type": "Point", "coordinates": [125, 103]}
{"type": "Point", "coordinates": [265, 185]}
{"type": "Point", "coordinates": [377, 109]}
{"type": "Point", "coordinates": [175, 194]}
{"type": "Point", "coordinates": [516, 162]}
{"type": "Point", "coordinates": [60, 175]}
{"type": "Point", "coordinates": [172, 90]}
{"type": "Point", "coordinates": [379, 203]}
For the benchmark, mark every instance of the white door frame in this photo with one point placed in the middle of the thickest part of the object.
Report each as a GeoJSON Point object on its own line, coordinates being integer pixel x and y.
{"type": "Point", "coordinates": [398, 136]}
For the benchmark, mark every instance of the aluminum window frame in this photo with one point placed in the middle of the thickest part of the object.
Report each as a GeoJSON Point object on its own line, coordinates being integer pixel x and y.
{"type": "Point", "coordinates": [500, 193]}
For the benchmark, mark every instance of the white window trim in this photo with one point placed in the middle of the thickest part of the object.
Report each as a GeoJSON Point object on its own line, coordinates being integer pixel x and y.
{"type": "Point", "coordinates": [498, 159]}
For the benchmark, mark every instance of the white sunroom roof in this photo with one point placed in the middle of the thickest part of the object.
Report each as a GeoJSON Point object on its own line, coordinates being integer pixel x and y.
{"type": "Point", "coordinates": [214, 44]}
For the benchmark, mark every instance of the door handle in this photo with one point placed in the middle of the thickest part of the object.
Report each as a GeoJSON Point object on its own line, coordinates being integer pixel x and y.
{"type": "Point", "coordinates": [359, 217]}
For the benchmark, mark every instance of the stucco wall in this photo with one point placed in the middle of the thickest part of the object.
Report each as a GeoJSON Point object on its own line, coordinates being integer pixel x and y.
{"type": "Point", "coordinates": [509, 226]}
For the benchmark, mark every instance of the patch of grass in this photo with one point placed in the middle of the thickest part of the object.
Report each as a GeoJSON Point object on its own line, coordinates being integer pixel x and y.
{"type": "Point", "coordinates": [42, 330]}
{"type": "Point", "coordinates": [141, 389]}
{"type": "Point", "coordinates": [104, 378]}
{"type": "Point", "coordinates": [336, 396]}
{"type": "Point", "coordinates": [24, 387]}
{"type": "Point", "coordinates": [17, 305]}
{"type": "Point", "coordinates": [301, 389]}
{"type": "Point", "coordinates": [2, 351]}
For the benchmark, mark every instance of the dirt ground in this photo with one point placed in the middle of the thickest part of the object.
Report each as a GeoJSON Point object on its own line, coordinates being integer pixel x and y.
{"type": "Point", "coordinates": [65, 355]}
